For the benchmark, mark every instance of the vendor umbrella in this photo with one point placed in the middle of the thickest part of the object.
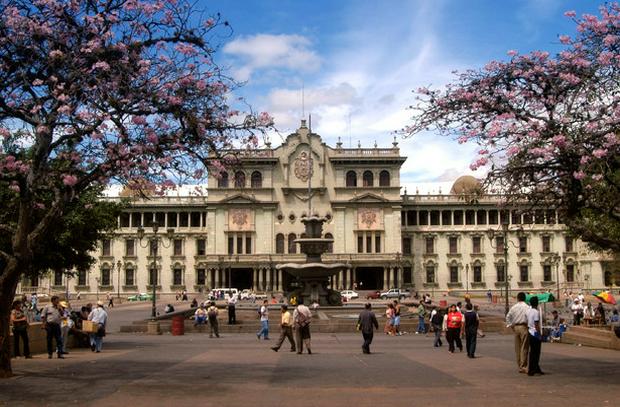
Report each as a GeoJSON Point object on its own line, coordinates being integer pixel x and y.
{"type": "Point", "coordinates": [544, 297]}
{"type": "Point", "coordinates": [604, 296]}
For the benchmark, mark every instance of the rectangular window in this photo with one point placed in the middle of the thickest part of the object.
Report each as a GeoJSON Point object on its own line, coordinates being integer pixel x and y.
{"type": "Point", "coordinates": [82, 277]}
{"type": "Point", "coordinates": [195, 219]}
{"type": "Point", "coordinates": [360, 244]}
{"type": "Point", "coordinates": [153, 246]}
{"type": "Point", "coordinates": [481, 217]}
{"type": "Point", "coordinates": [407, 278]}
{"type": "Point", "coordinates": [152, 276]}
{"type": "Point", "coordinates": [412, 218]}
{"type": "Point", "coordinates": [516, 218]}
{"type": "Point", "coordinates": [239, 244]}
{"type": "Point", "coordinates": [57, 278]}
{"type": "Point", "coordinates": [539, 217]}
{"type": "Point", "coordinates": [452, 240]}
{"type": "Point", "coordinates": [547, 272]}
{"type": "Point", "coordinates": [130, 247]}
{"type": "Point", "coordinates": [183, 219]}
{"type": "Point", "coordinates": [106, 245]}
{"type": "Point", "coordinates": [201, 247]}
{"type": "Point", "coordinates": [501, 273]}
{"type": "Point", "coordinates": [493, 217]}
{"type": "Point", "coordinates": [201, 277]}
{"type": "Point", "coordinates": [148, 219]}
{"type": "Point", "coordinates": [178, 247]}
{"type": "Point", "coordinates": [524, 274]}
{"type": "Point", "coordinates": [378, 244]}
{"type": "Point", "coordinates": [430, 274]}
{"type": "Point", "coordinates": [477, 274]}
{"type": "Point", "coordinates": [160, 218]}
{"type": "Point", "coordinates": [569, 244]}
{"type": "Point", "coordinates": [403, 218]}
{"type": "Point", "coordinates": [248, 245]}
{"type": "Point", "coordinates": [528, 218]}
{"type": "Point", "coordinates": [105, 277]}
{"type": "Point", "coordinates": [172, 219]}
{"type": "Point", "coordinates": [470, 217]}
{"type": "Point", "coordinates": [546, 244]}
{"type": "Point", "coordinates": [177, 276]}
{"type": "Point", "coordinates": [136, 219]}
{"type": "Point", "coordinates": [368, 244]}
{"type": "Point", "coordinates": [503, 217]}
{"type": "Point", "coordinates": [406, 245]}
{"type": "Point", "coordinates": [476, 244]}
{"type": "Point", "coordinates": [129, 277]}
{"type": "Point", "coordinates": [124, 222]}
{"type": "Point", "coordinates": [454, 274]}
{"type": "Point", "coordinates": [231, 245]}
{"type": "Point", "coordinates": [430, 245]}
{"type": "Point", "coordinates": [446, 218]}
{"type": "Point", "coordinates": [423, 218]}
{"type": "Point", "coordinates": [499, 245]}
{"type": "Point", "coordinates": [550, 217]}
{"type": "Point", "coordinates": [522, 244]}
{"type": "Point", "coordinates": [458, 217]}
{"type": "Point", "coordinates": [434, 218]}
{"type": "Point", "coordinates": [570, 273]}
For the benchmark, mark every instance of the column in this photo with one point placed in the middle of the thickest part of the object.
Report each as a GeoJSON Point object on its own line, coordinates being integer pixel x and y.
{"type": "Point", "coordinates": [400, 276]}
{"type": "Point", "coordinates": [385, 278]}
{"type": "Point", "coordinates": [260, 279]}
{"type": "Point", "coordinates": [254, 279]}
{"type": "Point", "coordinates": [339, 283]}
{"type": "Point", "coordinates": [208, 279]}
{"type": "Point", "coordinates": [217, 277]}
{"type": "Point", "coordinates": [280, 288]}
{"type": "Point", "coordinates": [268, 283]}
{"type": "Point", "coordinates": [392, 270]}
{"type": "Point", "coordinates": [354, 275]}
{"type": "Point", "coordinates": [349, 285]}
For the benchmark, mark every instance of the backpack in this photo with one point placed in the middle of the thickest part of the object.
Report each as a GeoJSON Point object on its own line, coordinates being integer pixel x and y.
{"type": "Point", "coordinates": [260, 314]}
{"type": "Point", "coordinates": [212, 313]}
{"type": "Point", "coordinates": [437, 318]}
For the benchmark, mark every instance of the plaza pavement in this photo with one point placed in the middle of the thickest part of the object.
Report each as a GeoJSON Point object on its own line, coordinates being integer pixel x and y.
{"type": "Point", "coordinates": [236, 370]}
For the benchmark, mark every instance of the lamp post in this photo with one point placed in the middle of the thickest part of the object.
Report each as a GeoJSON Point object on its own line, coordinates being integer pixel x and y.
{"type": "Point", "coordinates": [153, 244]}
{"type": "Point", "coordinates": [467, 279]}
{"type": "Point", "coordinates": [555, 259]}
{"type": "Point", "coordinates": [97, 279]}
{"type": "Point", "coordinates": [491, 234]}
{"type": "Point", "coordinates": [119, 265]}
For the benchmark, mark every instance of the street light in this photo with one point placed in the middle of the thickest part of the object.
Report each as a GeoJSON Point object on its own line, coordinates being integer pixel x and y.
{"type": "Point", "coordinates": [97, 279]}
{"type": "Point", "coordinates": [153, 243]}
{"type": "Point", "coordinates": [491, 233]}
{"type": "Point", "coordinates": [467, 279]}
{"type": "Point", "coordinates": [555, 259]}
{"type": "Point", "coordinates": [119, 265]}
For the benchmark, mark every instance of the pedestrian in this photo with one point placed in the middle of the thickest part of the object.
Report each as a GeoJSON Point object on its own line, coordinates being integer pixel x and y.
{"type": "Point", "coordinates": [66, 324]}
{"type": "Point", "coordinates": [51, 317]}
{"type": "Point", "coordinates": [232, 302]}
{"type": "Point", "coordinates": [588, 314]}
{"type": "Point", "coordinates": [177, 296]}
{"type": "Point", "coordinates": [169, 308]}
{"type": "Point", "coordinates": [286, 329]}
{"type": "Point", "coordinates": [388, 329]}
{"type": "Point", "coordinates": [110, 298]}
{"type": "Point", "coordinates": [396, 328]}
{"type": "Point", "coordinates": [489, 296]}
{"type": "Point", "coordinates": [599, 314]}
{"type": "Point", "coordinates": [472, 321]}
{"type": "Point", "coordinates": [200, 316]}
{"type": "Point", "coordinates": [454, 328]}
{"type": "Point", "coordinates": [535, 338]}
{"type": "Point", "coordinates": [194, 303]}
{"type": "Point", "coordinates": [212, 313]}
{"type": "Point", "coordinates": [19, 324]}
{"type": "Point", "coordinates": [577, 309]}
{"type": "Point", "coordinates": [184, 295]}
{"type": "Point", "coordinates": [366, 322]}
{"type": "Point", "coordinates": [436, 321]}
{"type": "Point", "coordinates": [301, 321]}
{"type": "Point", "coordinates": [100, 317]}
{"type": "Point", "coordinates": [263, 313]}
{"type": "Point", "coordinates": [421, 311]}
{"type": "Point", "coordinates": [517, 320]}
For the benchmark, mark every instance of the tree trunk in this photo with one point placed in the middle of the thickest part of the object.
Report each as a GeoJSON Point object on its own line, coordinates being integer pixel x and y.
{"type": "Point", "coordinates": [8, 286]}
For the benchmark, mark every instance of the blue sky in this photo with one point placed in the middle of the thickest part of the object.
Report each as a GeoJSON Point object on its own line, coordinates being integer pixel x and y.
{"type": "Point", "coordinates": [358, 62]}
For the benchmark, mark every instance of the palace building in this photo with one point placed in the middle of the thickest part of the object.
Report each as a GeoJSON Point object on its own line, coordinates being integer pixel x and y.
{"type": "Point", "coordinates": [235, 231]}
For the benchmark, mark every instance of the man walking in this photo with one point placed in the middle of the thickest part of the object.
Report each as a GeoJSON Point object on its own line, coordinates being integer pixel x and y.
{"type": "Point", "coordinates": [472, 322]}
{"type": "Point", "coordinates": [366, 322]}
{"type": "Point", "coordinates": [301, 319]}
{"type": "Point", "coordinates": [264, 321]}
{"type": "Point", "coordinates": [286, 329]}
{"type": "Point", "coordinates": [535, 338]}
{"type": "Point", "coordinates": [517, 320]}
{"type": "Point", "coordinates": [51, 317]}
{"type": "Point", "coordinates": [212, 312]}
{"type": "Point", "coordinates": [232, 302]}
{"type": "Point", "coordinates": [421, 316]}
{"type": "Point", "coordinates": [100, 317]}
{"type": "Point", "coordinates": [436, 321]}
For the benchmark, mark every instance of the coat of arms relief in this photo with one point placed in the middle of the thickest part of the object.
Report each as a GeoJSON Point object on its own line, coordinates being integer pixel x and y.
{"type": "Point", "coordinates": [239, 219]}
{"type": "Point", "coordinates": [303, 166]}
{"type": "Point", "coordinates": [369, 218]}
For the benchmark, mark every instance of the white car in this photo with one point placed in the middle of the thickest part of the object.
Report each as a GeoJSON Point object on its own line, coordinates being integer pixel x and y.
{"type": "Point", "coordinates": [349, 294]}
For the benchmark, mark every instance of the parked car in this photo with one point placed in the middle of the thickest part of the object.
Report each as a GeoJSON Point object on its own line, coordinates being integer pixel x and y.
{"type": "Point", "coordinates": [395, 293]}
{"type": "Point", "coordinates": [349, 294]}
{"type": "Point", "coordinates": [373, 295]}
{"type": "Point", "coordinates": [246, 294]}
{"type": "Point", "coordinates": [140, 297]}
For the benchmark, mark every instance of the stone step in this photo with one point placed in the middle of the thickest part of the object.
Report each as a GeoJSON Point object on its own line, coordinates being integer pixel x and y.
{"type": "Point", "coordinates": [602, 332]}
{"type": "Point", "coordinates": [596, 340]}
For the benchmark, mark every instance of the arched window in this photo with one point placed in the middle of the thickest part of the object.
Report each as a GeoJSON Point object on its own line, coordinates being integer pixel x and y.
{"type": "Point", "coordinates": [292, 247]}
{"type": "Point", "coordinates": [330, 246]}
{"type": "Point", "coordinates": [384, 178]}
{"type": "Point", "coordinates": [368, 178]}
{"type": "Point", "coordinates": [222, 182]}
{"type": "Point", "coordinates": [279, 243]}
{"type": "Point", "coordinates": [239, 179]}
{"type": "Point", "coordinates": [257, 179]}
{"type": "Point", "coordinates": [351, 179]}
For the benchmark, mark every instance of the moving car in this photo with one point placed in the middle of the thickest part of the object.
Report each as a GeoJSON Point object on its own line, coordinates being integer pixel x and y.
{"type": "Point", "coordinates": [349, 294]}
{"type": "Point", "coordinates": [140, 297]}
{"type": "Point", "coordinates": [395, 293]}
{"type": "Point", "coordinates": [373, 295]}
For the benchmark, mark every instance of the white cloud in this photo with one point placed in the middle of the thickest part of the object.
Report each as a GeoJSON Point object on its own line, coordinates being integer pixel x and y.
{"type": "Point", "coordinates": [272, 51]}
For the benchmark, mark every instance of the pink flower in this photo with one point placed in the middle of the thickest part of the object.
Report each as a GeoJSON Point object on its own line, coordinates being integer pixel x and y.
{"type": "Point", "coordinates": [564, 39]}
{"type": "Point", "coordinates": [570, 14]}
{"type": "Point", "coordinates": [512, 53]}
{"type": "Point", "coordinates": [140, 120]}
{"type": "Point", "coordinates": [610, 40]}
{"type": "Point", "coordinates": [101, 65]}
{"type": "Point", "coordinates": [513, 150]}
{"type": "Point", "coordinates": [599, 153]}
{"type": "Point", "coordinates": [14, 188]}
{"type": "Point", "coordinates": [4, 132]}
{"type": "Point", "coordinates": [579, 175]}
{"type": "Point", "coordinates": [69, 180]}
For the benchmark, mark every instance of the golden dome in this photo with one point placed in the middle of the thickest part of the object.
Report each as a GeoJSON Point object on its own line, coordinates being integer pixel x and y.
{"type": "Point", "coordinates": [466, 185]}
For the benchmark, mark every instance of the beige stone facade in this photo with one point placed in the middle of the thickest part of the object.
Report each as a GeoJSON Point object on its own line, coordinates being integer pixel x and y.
{"type": "Point", "coordinates": [234, 234]}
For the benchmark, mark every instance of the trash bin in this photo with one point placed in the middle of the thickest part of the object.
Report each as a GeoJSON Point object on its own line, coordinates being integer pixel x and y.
{"type": "Point", "coordinates": [178, 325]}
{"type": "Point", "coordinates": [443, 303]}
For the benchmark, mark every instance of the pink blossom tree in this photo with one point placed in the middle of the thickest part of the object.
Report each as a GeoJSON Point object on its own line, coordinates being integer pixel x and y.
{"type": "Point", "coordinates": [93, 92]}
{"type": "Point", "coordinates": [547, 126]}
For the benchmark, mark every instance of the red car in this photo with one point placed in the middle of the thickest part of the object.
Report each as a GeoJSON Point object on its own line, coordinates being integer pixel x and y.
{"type": "Point", "coordinates": [373, 295]}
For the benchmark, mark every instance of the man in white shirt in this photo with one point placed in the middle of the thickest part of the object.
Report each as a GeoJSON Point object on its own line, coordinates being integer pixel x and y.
{"type": "Point", "coordinates": [535, 338]}
{"type": "Point", "coordinates": [232, 302]}
{"type": "Point", "coordinates": [264, 321]}
{"type": "Point", "coordinates": [301, 319]}
{"type": "Point", "coordinates": [100, 317]}
{"type": "Point", "coordinates": [517, 320]}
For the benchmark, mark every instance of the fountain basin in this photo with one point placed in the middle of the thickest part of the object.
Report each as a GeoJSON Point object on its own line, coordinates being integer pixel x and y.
{"type": "Point", "coordinates": [312, 270]}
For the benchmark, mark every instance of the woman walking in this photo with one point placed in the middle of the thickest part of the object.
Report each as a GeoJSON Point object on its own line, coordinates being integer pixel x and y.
{"type": "Point", "coordinates": [19, 322]}
{"type": "Point", "coordinates": [454, 328]}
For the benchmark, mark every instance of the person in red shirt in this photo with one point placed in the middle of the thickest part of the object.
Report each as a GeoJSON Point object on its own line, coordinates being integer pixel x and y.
{"type": "Point", "coordinates": [454, 328]}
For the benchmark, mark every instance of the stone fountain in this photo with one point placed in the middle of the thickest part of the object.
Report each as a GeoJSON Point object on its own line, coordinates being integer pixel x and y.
{"type": "Point", "coordinates": [312, 277]}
